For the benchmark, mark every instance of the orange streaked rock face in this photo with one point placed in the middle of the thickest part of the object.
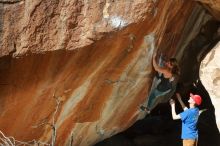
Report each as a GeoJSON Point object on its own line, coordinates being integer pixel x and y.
{"type": "Point", "coordinates": [95, 57]}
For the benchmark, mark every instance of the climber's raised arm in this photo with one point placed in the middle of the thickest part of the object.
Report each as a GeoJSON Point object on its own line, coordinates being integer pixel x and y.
{"type": "Point", "coordinates": [174, 115]}
{"type": "Point", "coordinates": [157, 67]}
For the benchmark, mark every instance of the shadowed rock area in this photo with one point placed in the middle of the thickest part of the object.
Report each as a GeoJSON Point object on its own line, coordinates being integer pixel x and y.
{"type": "Point", "coordinates": [95, 59]}
{"type": "Point", "coordinates": [158, 128]}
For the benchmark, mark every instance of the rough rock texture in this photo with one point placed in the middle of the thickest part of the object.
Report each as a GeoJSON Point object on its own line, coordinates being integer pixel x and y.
{"type": "Point", "coordinates": [93, 56]}
{"type": "Point", "coordinates": [70, 24]}
{"type": "Point", "coordinates": [210, 76]}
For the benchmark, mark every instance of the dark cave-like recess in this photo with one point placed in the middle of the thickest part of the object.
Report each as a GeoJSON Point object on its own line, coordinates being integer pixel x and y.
{"type": "Point", "coordinates": [158, 128]}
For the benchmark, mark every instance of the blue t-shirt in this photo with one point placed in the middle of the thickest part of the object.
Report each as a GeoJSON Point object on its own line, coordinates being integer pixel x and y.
{"type": "Point", "coordinates": [189, 119]}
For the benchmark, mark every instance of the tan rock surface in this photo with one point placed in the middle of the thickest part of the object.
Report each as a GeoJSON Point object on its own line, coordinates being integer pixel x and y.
{"type": "Point", "coordinates": [210, 76]}
{"type": "Point", "coordinates": [38, 25]}
{"type": "Point", "coordinates": [94, 56]}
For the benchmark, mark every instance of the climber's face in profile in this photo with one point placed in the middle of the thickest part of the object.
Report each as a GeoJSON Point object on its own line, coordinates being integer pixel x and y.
{"type": "Point", "coordinates": [169, 64]}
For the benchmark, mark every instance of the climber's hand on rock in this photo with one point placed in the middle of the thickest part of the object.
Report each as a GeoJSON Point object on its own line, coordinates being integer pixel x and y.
{"type": "Point", "coordinates": [172, 102]}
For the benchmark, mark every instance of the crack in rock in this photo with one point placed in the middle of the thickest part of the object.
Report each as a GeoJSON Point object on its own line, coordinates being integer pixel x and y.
{"type": "Point", "coordinates": [10, 1]}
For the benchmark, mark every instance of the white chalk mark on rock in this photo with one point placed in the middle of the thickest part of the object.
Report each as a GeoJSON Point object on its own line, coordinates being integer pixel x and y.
{"type": "Point", "coordinates": [118, 22]}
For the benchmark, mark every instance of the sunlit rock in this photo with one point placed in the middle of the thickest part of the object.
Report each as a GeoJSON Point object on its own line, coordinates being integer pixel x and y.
{"type": "Point", "coordinates": [210, 76]}
{"type": "Point", "coordinates": [93, 57]}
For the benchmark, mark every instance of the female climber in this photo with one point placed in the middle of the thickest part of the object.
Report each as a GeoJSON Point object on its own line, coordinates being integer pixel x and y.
{"type": "Point", "coordinates": [167, 75]}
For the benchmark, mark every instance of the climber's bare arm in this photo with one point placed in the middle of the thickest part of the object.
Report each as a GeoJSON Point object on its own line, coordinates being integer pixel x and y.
{"type": "Point", "coordinates": [157, 67]}
{"type": "Point", "coordinates": [174, 115]}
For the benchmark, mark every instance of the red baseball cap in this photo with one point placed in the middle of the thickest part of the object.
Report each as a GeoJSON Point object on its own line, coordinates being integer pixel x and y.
{"type": "Point", "coordinates": [196, 98]}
